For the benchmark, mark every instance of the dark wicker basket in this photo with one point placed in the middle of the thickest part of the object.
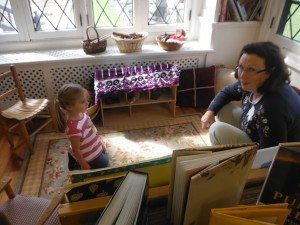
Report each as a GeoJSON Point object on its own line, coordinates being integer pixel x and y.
{"type": "Point", "coordinates": [92, 46]}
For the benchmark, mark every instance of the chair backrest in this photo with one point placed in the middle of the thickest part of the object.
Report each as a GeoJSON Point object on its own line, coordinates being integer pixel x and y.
{"type": "Point", "coordinates": [17, 89]}
{"type": "Point", "coordinates": [16, 210]}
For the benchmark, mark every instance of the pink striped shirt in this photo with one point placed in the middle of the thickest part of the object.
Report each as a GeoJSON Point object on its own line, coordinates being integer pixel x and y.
{"type": "Point", "coordinates": [90, 144]}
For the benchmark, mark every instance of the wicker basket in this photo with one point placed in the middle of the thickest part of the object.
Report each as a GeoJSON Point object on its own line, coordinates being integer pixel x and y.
{"type": "Point", "coordinates": [168, 46]}
{"type": "Point", "coordinates": [130, 45]}
{"type": "Point", "coordinates": [92, 46]}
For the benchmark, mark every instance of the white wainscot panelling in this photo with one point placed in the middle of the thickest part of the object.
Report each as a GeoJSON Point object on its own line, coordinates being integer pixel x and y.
{"type": "Point", "coordinates": [33, 84]}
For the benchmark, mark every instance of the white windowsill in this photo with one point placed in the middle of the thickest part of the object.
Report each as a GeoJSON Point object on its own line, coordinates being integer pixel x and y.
{"type": "Point", "coordinates": [112, 53]}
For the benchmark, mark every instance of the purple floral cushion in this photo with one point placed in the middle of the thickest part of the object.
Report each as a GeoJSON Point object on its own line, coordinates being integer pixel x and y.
{"type": "Point", "coordinates": [136, 78]}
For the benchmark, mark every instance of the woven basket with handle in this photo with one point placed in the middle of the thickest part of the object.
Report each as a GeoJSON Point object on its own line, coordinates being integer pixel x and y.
{"type": "Point", "coordinates": [96, 45]}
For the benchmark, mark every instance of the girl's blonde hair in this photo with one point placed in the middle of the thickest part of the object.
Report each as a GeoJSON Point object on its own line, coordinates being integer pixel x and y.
{"type": "Point", "coordinates": [67, 95]}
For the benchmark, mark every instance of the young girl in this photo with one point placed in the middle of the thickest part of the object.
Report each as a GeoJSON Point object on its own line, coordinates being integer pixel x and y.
{"type": "Point", "coordinates": [86, 151]}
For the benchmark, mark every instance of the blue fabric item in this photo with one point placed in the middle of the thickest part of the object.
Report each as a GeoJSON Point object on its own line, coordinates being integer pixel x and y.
{"type": "Point", "coordinates": [100, 162]}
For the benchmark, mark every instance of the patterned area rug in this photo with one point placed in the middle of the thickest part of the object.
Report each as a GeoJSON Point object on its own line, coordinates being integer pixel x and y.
{"type": "Point", "coordinates": [47, 170]}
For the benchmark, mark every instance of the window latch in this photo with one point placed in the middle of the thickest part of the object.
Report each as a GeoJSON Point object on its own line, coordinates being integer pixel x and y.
{"type": "Point", "coordinates": [272, 21]}
{"type": "Point", "coordinates": [80, 19]}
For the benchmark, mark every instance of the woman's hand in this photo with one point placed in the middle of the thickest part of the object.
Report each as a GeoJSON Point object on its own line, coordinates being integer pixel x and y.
{"type": "Point", "coordinates": [207, 119]}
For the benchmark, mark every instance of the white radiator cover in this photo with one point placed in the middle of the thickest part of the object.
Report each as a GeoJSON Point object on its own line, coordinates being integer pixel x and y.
{"type": "Point", "coordinates": [43, 79]}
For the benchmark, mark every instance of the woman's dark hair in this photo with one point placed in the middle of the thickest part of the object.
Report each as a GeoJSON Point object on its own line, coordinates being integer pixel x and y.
{"type": "Point", "coordinates": [275, 65]}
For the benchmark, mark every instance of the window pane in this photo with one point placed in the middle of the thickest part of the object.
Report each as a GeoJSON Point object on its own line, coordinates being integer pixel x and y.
{"type": "Point", "coordinates": [166, 12]}
{"type": "Point", "coordinates": [50, 15]}
{"type": "Point", "coordinates": [112, 13]}
{"type": "Point", "coordinates": [290, 21]}
{"type": "Point", "coordinates": [7, 20]}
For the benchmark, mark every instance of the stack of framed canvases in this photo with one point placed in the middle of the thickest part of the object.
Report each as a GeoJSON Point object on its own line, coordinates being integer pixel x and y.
{"type": "Point", "coordinates": [282, 184]}
{"type": "Point", "coordinates": [184, 180]}
{"type": "Point", "coordinates": [203, 180]}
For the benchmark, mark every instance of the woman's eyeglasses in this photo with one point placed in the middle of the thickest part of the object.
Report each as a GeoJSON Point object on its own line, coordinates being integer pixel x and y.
{"type": "Point", "coordinates": [249, 70]}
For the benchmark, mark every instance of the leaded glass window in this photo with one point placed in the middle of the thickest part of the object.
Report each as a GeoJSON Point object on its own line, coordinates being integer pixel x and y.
{"type": "Point", "coordinates": [7, 20]}
{"type": "Point", "coordinates": [290, 20]}
{"type": "Point", "coordinates": [50, 15]}
{"type": "Point", "coordinates": [31, 20]}
{"type": "Point", "coordinates": [113, 13]}
{"type": "Point", "coordinates": [166, 12]}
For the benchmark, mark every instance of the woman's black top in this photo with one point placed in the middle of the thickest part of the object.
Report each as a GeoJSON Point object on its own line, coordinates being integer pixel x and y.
{"type": "Point", "coordinates": [276, 117]}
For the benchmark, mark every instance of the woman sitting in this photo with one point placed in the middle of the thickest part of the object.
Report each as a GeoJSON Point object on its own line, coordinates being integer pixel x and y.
{"type": "Point", "coordinates": [270, 112]}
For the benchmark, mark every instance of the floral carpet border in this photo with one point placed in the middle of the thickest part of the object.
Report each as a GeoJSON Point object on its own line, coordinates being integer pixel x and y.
{"type": "Point", "coordinates": [36, 166]}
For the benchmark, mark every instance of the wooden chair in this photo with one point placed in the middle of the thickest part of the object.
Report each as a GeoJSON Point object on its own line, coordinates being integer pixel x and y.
{"type": "Point", "coordinates": [19, 209]}
{"type": "Point", "coordinates": [24, 110]}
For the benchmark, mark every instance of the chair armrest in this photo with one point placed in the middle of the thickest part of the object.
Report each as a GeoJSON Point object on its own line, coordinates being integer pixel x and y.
{"type": "Point", "coordinates": [55, 201]}
{"type": "Point", "coordinates": [5, 185]}
{"type": "Point", "coordinates": [4, 182]}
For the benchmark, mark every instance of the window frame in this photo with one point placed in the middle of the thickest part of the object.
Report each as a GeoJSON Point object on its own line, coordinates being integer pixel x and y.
{"type": "Point", "coordinates": [268, 32]}
{"type": "Point", "coordinates": [26, 32]}
{"type": "Point", "coordinates": [140, 20]}
{"type": "Point", "coordinates": [27, 38]}
{"type": "Point", "coordinates": [19, 20]}
{"type": "Point", "coordinates": [36, 35]}
{"type": "Point", "coordinates": [285, 15]}
{"type": "Point", "coordinates": [274, 22]}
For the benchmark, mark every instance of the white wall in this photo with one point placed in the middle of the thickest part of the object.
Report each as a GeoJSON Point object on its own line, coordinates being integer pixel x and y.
{"type": "Point", "coordinates": [292, 60]}
{"type": "Point", "coordinates": [295, 78]}
{"type": "Point", "coordinates": [228, 38]}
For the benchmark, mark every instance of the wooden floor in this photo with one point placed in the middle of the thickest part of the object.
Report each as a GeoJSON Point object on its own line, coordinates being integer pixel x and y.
{"type": "Point", "coordinates": [11, 166]}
